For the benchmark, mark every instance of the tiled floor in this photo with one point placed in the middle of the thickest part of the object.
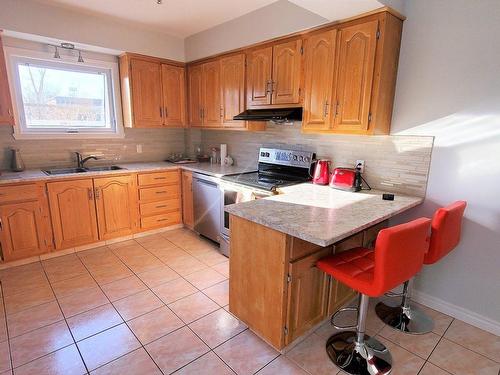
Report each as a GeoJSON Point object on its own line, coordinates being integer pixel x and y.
{"type": "Point", "coordinates": [158, 305]}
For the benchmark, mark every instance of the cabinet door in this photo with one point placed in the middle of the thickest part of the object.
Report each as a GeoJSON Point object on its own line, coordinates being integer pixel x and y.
{"type": "Point", "coordinates": [187, 199]}
{"type": "Point", "coordinates": [6, 116]}
{"type": "Point", "coordinates": [318, 85]}
{"type": "Point", "coordinates": [307, 294]}
{"type": "Point", "coordinates": [212, 113]}
{"type": "Point", "coordinates": [22, 232]}
{"type": "Point", "coordinates": [72, 208]}
{"type": "Point", "coordinates": [287, 65]}
{"type": "Point", "coordinates": [195, 95]}
{"type": "Point", "coordinates": [116, 202]}
{"type": "Point", "coordinates": [356, 62]}
{"type": "Point", "coordinates": [174, 95]}
{"type": "Point", "coordinates": [259, 76]}
{"type": "Point", "coordinates": [233, 89]}
{"type": "Point", "coordinates": [146, 93]}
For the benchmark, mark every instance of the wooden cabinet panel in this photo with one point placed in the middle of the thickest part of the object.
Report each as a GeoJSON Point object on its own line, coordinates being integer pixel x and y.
{"type": "Point", "coordinates": [233, 89]}
{"type": "Point", "coordinates": [6, 113]}
{"type": "Point", "coordinates": [187, 199]}
{"type": "Point", "coordinates": [318, 85]}
{"type": "Point", "coordinates": [22, 230]}
{"type": "Point", "coordinates": [147, 93]}
{"type": "Point", "coordinates": [357, 45]}
{"type": "Point", "coordinates": [116, 203]}
{"type": "Point", "coordinates": [73, 212]}
{"type": "Point", "coordinates": [159, 193]}
{"type": "Point", "coordinates": [212, 114]}
{"type": "Point", "coordinates": [154, 208]}
{"type": "Point", "coordinates": [307, 294]}
{"type": "Point", "coordinates": [174, 95]}
{"type": "Point", "coordinates": [158, 178]}
{"type": "Point", "coordinates": [19, 193]}
{"type": "Point", "coordinates": [259, 76]}
{"type": "Point", "coordinates": [163, 220]}
{"type": "Point", "coordinates": [287, 65]}
{"type": "Point", "coordinates": [195, 95]}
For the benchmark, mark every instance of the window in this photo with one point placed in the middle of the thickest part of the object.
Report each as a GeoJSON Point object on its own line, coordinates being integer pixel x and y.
{"type": "Point", "coordinates": [64, 98]}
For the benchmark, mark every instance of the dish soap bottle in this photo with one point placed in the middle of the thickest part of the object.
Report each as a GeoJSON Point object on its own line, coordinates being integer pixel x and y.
{"type": "Point", "coordinates": [17, 161]}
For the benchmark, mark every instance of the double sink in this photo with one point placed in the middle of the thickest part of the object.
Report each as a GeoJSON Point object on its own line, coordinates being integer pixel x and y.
{"type": "Point", "coordinates": [52, 172]}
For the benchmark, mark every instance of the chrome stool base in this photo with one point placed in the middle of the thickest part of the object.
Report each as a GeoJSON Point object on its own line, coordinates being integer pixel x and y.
{"type": "Point", "coordinates": [409, 319]}
{"type": "Point", "coordinates": [369, 358]}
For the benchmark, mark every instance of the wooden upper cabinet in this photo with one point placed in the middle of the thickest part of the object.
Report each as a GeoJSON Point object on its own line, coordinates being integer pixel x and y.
{"type": "Point", "coordinates": [73, 212]}
{"type": "Point", "coordinates": [195, 95]}
{"type": "Point", "coordinates": [259, 76]}
{"type": "Point", "coordinates": [232, 79]}
{"type": "Point", "coordinates": [318, 81]}
{"type": "Point", "coordinates": [116, 202]}
{"type": "Point", "coordinates": [147, 93]}
{"type": "Point", "coordinates": [174, 95]}
{"type": "Point", "coordinates": [357, 46]}
{"type": "Point", "coordinates": [6, 113]}
{"type": "Point", "coordinates": [287, 65]}
{"type": "Point", "coordinates": [212, 112]}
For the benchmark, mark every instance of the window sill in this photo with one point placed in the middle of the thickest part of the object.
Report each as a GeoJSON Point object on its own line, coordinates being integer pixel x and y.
{"type": "Point", "coordinates": [68, 136]}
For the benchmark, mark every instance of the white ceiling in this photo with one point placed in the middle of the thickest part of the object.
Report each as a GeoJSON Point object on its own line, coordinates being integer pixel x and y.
{"type": "Point", "coordinates": [186, 17]}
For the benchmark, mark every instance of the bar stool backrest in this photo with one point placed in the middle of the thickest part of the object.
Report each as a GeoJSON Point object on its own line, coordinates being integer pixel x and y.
{"type": "Point", "coordinates": [446, 231]}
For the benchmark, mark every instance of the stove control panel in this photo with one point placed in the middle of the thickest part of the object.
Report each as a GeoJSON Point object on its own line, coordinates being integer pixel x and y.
{"type": "Point", "coordinates": [286, 157]}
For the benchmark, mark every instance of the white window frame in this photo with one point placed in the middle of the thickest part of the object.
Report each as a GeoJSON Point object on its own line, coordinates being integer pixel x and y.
{"type": "Point", "coordinates": [16, 56]}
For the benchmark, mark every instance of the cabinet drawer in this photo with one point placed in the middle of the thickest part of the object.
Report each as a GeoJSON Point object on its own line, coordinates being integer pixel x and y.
{"type": "Point", "coordinates": [157, 178]}
{"type": "Point", "coordinates": [162, 220]}
{"type": "Point", "coordinates": [154, 208]}
{"type": "Point", "coordinates": [19, 193]}
{"type": "Point", "coordinates": [159, 193]}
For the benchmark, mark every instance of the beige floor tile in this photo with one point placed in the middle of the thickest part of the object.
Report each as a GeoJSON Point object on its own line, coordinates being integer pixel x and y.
{"type": "Point", "coordinates": [83, 301]}
{"type": "Point", "coordinates": [167, 255]}
{"type": "Point", "coordinates": [217, 327]}
{"type": "Point", "coordinates": [209, 364]}
{"type": "Point", "coordinates": [123, 288]}
{"type": "Point", "coordinates": [158, 276]}
{"type": "Point", "coordinates": [40, 342]}
{"type": "Point", "coordinates": [174, 290]}
{"type": "Point", "coordinates": [219, 293]}
{"type": "Point", "coordinates": [107, 346]}
{"type": "Point", "coordinates": [155, 324]}
{"type": "Point", "coordinates": [311, 355]}
{"type": "Point", "coordinates": [421, 345]}
{"type": "Point", "coordinates": [475, 339]}
{"type": "Point", "coordinates": [212, 258]}
{"type": "Point", "coordinates": [4, 356]}
{"type": "Point", "coordinates": [282, 365]}
{"type": "Point", "coordinates": [403, 362]}
{"type": "Point", "coordinates": [21, 301]}
{"type": "Point", "coordinates": [129, 247]}
{"type": "Point", "coordinates": [3, 325]}
{"type": "Point", "coordinates": [77, 284]}
{"type": "Point", "coordinates": [66, 361]}
{"type": "Point", "coordinates": [460, 361]}
{"type": "Point", "coordinates": [246, 353]}
{"type": "Point", "coordinates": [34, 318]}
{"type": "Point", "coordinates": [106, 275]}
{"type": "Point", "coordinates": [430, 369]}
{"type": "Point", "coordinates": [193, 307]}
{"type": "Point", "coordinates": [132, 306]}
{"type": "Point", "coordinates": [93, 321]}
{"type": "Point", "coordinates": [186, 265]}
{"type": "Point", "coordinates": [154, 242]}
{"type": "Point", "coordinates": [63, 268]}
{"type": "Point", "coordinates": [137, 362]}
{"type": "Point", "coordinates": [177, 349]}
{"type": "Point", "coordinates": [24, 282]}
{"type": "Point", "coordinates": [222, 268]}
{"type": "Point", "coordinates": [205, 278]}
{"type": "Point", "coordinates": [143, 263]}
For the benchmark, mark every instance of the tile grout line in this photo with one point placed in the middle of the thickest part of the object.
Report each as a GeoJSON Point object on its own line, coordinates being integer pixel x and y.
{"type": "Point", "coordinates": [7, 329]}
{"type": "Point", "coordinates": [433, 349]}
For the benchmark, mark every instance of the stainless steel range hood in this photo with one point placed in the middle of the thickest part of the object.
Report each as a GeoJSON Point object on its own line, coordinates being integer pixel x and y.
{"type": "Point", "coordinates": [270, 114]}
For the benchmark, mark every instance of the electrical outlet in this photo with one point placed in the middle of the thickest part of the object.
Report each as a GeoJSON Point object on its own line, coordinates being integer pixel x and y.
{"type": "Point", "coordinates": [138, 149]}
{"type": "Point", "coordinates": [361, 165]}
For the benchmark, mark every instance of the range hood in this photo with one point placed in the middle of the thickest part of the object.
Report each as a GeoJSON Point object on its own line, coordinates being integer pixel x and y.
{"type": "Point", "coordinates": [271, 114]}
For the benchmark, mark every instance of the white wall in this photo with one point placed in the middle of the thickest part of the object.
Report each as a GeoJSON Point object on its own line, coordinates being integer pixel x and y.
{"type": "Point", "coordinates": [449, 86]}
{"type": "Point", "coordinates": [277, 19]}
{"type": "Point", "coordinates": [31, 17]}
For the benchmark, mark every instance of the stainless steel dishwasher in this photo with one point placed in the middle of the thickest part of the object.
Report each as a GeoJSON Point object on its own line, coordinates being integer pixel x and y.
{"type": "Point", "coordinates": [207, 206]}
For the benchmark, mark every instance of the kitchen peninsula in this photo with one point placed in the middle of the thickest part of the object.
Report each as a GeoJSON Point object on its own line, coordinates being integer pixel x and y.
{"type": "Point", "coordinates": [275, 287]}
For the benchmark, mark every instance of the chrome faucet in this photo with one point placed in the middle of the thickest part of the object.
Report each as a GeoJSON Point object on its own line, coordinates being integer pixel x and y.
{"type": "Point", "coordinates": [80, 161]}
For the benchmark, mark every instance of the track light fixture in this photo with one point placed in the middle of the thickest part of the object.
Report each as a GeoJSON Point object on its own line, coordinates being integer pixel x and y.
{"type": "Point", "coordinates": [68, 46]}
{"type": "Point", "coordinates": [56, 53]}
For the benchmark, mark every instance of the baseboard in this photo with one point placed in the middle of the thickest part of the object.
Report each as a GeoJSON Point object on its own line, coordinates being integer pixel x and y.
{"type": "Point", "coordinates": [458, 312]}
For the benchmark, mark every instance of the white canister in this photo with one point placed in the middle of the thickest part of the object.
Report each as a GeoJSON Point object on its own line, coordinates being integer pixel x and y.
{"type": "Point", "coordinates": [223, 152]}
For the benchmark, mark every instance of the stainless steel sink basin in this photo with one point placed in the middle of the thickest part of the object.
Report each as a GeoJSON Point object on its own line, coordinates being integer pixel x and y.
{"type": "Point", "coordinates": [106, 168]}
{"type": "Point", "coordinates": [65, 171]}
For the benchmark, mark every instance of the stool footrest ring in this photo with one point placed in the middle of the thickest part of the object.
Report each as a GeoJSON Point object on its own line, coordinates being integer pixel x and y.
{"type": "Point", "coordinates": [392, 294]}
{"type": "Point", "coordinates": [343, 328]}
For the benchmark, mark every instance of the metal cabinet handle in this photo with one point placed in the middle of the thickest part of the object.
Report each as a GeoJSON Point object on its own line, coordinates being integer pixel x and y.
{"type": "Point", "coordinates": [337, 108]}
{"type": "Point", "coordinates": [1, 225]}
{"type": "Point", "coordinates": [325, 109]}
{"type": "Point", "coordinates": [161, 219]}
{"type": "Point", "coordinates": [160, 178]}
{"type": "Point", "coordinates": [161, 206]}
{"type": "Point", "coordinates": [90, 193]}
{"type": "Point", "coordinates": [221, 112]}
{"type": "Point", "coordinates": [161, 112]}
{"type": "Point", "coordinates": [97, 193]}
{"type": "Point", "coordinates": [166, 112]}
{"type": "Point", "coordinates": [161, 192]}
{"type": "Point", "coordinates": [269, 87]}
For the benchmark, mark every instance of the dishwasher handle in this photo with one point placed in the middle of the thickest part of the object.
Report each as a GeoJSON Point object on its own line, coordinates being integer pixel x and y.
{"type": "Point", "coordinates": [206, 182]}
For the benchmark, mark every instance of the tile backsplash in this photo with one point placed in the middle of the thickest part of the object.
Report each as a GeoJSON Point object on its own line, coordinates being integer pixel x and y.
{"type": "Point", "coordinates": [392, 163]}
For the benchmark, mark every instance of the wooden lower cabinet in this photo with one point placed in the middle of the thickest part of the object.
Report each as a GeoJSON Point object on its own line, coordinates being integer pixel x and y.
{"type": "Point", "coordinates": [187, 199]}
{"type": "Point", "coordinates": [116, 204]}
{"type": "Point", "coordinates": [72, 206]}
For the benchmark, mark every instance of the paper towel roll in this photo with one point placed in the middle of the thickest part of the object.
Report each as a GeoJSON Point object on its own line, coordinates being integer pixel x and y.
{"type": "Point", "coordinates": [223, 152]}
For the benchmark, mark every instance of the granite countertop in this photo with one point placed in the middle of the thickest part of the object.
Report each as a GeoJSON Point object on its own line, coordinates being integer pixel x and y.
{"type": "Point", "coordinates": [320, 214]}
{"type": "Point", "coordinates": [31, 175]}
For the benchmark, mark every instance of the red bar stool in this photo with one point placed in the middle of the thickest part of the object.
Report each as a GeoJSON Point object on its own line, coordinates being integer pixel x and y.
{"type": "Point", "coordinates": [445, 236]}
{"type": "Point", "coordinates": [398, 256]}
